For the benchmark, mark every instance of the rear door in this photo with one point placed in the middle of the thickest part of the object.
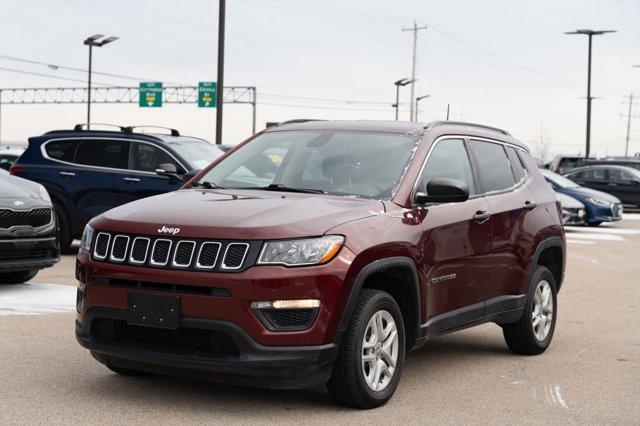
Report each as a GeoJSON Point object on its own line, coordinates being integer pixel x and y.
{"type": "Point", "coordinates": [505, 185]}
{"type": "Point", "coordinates": [623, 185]}
{"type": "Point", "coordinates": [456, 242]}
{"type": "Point", "coordinates": [141, 180]}
{"type": "Point", "coordinates": [101, 166]}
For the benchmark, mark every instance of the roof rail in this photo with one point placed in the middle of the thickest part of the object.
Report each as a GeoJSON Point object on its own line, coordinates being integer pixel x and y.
{"type": "Point", "coordinates": [129, 129]}
{"type": "Point", "coordinates": [299, 120]}
{"type": "Point", "coordinates": [463, 123]}
{"type": "Point", "coordinates": [80, 127]}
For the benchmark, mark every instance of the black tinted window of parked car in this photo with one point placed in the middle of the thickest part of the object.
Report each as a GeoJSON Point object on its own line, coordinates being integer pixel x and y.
{"type": "Point", "coordinates": [449, 159]}
{"type": "Point", "coordinates": [621, 176]}
{"type": "Point", "coordinates": [102, 153]}
{"type": "Point", "coordinates": [516, 163]}
{"type": "Point", "coordinates": [147, 158]}
{"type": "Point", "coordinates": [590, 175]}
{"type": "Point", "coordinates": [494, 167]}
{"type": "Point", "coordinates": [61, 150]}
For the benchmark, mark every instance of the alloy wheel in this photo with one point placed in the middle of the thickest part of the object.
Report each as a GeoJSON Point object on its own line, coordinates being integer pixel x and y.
{"type": "Point", "coordinates": [379, 350]}
{"type": "Point", "coordinates": [542, 314]}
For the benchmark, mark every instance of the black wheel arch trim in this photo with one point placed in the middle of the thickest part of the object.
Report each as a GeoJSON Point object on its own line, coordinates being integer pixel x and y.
{"type": "Point", "coordinates": [545, 244]}
{"type": "Point", "coordinates": [372, 268]}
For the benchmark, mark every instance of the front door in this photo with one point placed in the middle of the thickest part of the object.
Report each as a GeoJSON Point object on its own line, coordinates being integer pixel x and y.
{"type": "Point", "coordinates": [455, 243]}
{"type": "Point", "coordinates": [623, 185]}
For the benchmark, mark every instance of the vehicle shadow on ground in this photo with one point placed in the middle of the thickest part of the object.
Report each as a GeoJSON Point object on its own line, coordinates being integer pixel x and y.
{"type": "Point", "coordinates": [441, 354]}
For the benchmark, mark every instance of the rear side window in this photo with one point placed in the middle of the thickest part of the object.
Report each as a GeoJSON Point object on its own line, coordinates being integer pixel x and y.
{"type": "Point", "coordinates": [516, 164]}
{"type": "Point", "coordinates": [109, 153]}
{"type": "Point", "coordinates": [617, 175]}
{"type": "Point", "coordinates": [449, 159]}
{"type": "Point", "coordinates": [494, 168]}
{"type": "Point", "coordinates": [61, 150]}
{"type": "Point", "coordinates": [591, 175]}
{"type": "Point", "coordinates": [147, 158]}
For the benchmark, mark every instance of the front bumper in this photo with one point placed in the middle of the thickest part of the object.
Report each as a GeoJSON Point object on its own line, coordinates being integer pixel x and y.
{"type": "Point", "coordinates": [290, 367]}
{"type": "Point", "coordinates": [612, 213]}
{"type": "Point", "coordinates": [25, 254]}
{"type": "Point", "coordinates": [573, 216]}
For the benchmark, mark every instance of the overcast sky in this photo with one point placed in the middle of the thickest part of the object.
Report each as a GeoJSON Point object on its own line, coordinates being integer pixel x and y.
{"type": "Point", "coordinates": [505, 63]}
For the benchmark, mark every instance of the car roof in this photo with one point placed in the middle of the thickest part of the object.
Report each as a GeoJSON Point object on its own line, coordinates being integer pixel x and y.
{"type": "Point", "coordinates": [604, 166]}
{"type": "Point", "coordinates": [396, 127]}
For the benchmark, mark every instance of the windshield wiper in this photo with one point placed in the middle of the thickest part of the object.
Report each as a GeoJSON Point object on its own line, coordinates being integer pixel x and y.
{"type": "Point", "coordinates": [208, 185]}
{"type": "Point", "coordinates": [284, 188]}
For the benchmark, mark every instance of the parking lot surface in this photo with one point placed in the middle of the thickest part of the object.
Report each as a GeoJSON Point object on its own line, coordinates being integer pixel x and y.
{"type": "Point", "coordinates": [590, 374]}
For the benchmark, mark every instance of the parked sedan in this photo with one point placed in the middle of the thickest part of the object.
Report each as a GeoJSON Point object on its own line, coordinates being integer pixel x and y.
{"type": "Point", "coordinates": [599, 206]}
{"type": "Point", "coordinates": [620, 181]}
{"type": "Point", "coordinates": [573, 211]}
{"type": "Point", "coordinates": [8, 157]}
{"type": "Point", "coordinates": [27, 230]}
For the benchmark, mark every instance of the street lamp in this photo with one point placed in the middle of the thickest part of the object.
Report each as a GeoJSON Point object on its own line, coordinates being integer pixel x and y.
{"type": "Point", "coordinates": [590, 34]}
{"type": "Point", "coordinates": [401, 82]}
{"type": "Point", "coordinates": [95, 40]}
{"type": "Point", "coordinates": [418, 99]}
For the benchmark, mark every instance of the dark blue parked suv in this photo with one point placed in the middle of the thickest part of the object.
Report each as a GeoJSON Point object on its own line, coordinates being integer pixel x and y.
{"type": "Point", "coordinates": [88, 172]}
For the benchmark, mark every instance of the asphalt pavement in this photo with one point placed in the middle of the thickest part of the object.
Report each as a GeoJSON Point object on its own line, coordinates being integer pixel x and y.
{"type": "Point", "coordinates": [590, 374]}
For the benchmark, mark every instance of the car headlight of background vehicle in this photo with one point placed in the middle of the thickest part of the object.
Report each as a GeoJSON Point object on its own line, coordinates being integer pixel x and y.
{"type": "Point", "coordinates": [598, 201]}
{"type": "Point", "coordinates": [44, 194]}
{"type": "Point", "coordinates": [87, 236]}
{"type": "Point", "coordinates": [299, 252]}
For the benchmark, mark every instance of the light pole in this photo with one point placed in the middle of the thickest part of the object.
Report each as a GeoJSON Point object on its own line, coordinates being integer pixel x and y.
{"type": "Point", "coordinates": [401, 82]}
{"type": "Point", "coordinates": [418, 99]}
{"type": "Point", "coordinates": [220, 82]}
{"type": "Point", "coordinates": [590, 34]}
{"type": "Point", "coordinates": [97, 41]}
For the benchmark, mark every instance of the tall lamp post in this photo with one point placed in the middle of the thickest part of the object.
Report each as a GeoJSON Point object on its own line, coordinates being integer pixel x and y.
{"type": "Point", "coordinates": [589, 34]}
{"type": "Point", "coordinates": [418, 99]}
{"type": "Point", "coordinates": [401, 82]}
{"type": "Point", "coordinates": [94, 41]}
{"type": "Point", "coordinates": [220, 78]}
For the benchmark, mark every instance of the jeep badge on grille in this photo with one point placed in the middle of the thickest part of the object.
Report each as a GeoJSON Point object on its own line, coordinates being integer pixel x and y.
{"type": "Point", "coordinates": [166, 230]}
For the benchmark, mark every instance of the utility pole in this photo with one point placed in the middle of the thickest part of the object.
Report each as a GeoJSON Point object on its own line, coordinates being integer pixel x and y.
{"type": "Point", "coordinates": [589, 34]}
{"type": "Point", "coordinates": [220, 82]}
{"type": "Point", "coordinates": [448, 105]}
{"type": "Point", "coordinates": [414, 29]}
{"type": "Point", "coordinates": [626, 146]}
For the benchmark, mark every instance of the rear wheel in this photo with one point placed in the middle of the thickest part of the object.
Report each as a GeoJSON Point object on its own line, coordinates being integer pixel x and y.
{"type": "Point", "coordinates": [17, 277]}
{"type": "Point", "coordinates": [64, 228]}
{"type": "Point", "coordinates": [369, 364]}
{"type": "Point", "coordinates": [532, 334]}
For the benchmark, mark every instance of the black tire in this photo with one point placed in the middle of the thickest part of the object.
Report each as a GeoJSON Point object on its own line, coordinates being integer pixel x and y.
{"type": "Point", "coordinates": [64, 228]}
{"type": "Point", "coordinates": [127, 371]}
{"type": "Point", "coordinates": [347, 384]}
{"type": "Point", "coordinates": [17, 277]}
{"type": "Point", "coordinates": [520, 336]}
{"type": "Point", "coordinates": [598, 223]}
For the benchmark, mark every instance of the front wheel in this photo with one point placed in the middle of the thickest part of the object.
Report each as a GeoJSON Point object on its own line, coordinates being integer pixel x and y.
{"type": "Point", "coordinates": [596, 223]}
{"type": "Point", "coordinates": [17, 277]}
{"type": "Point", "coordinates": [369, 364]}
{"type": "Point", "coordinates": [532, 334]}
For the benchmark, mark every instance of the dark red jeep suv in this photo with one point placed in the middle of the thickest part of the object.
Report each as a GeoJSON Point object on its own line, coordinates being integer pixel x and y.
{"type": "Point", "coordinates": [321, 252]}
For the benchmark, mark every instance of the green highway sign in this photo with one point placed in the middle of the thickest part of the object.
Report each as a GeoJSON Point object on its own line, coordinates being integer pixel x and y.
{"type": "Point", "coordinates": [207, 94]}
{"type": "Point", "coordinates": [150, 95]}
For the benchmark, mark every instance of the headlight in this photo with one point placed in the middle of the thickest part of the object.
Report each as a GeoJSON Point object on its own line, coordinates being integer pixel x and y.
{"type": "Point", "coordinates": [43, 193]}
{"type": "Point", "coordinates": [308, 251]}
{"type": "Point", "coordinates": [87, 236]}
{"type": "Point", "coordinates": [598, 201]}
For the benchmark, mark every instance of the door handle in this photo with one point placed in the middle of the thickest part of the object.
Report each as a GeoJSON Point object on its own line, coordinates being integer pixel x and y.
{"type": "Point", "coordinates": [612, 184]}
{"type": "Point", "coordinates": [69, 174]}
{"type": "Point", "coordinates": [481, 216]}
{"type": "Point", "coordinates": [528, 205]}
{"type": "Point", "coordinates": [130, 179]}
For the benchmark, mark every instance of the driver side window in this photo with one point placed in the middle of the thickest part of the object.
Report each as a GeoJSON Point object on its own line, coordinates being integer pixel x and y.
{"type": "Point", "coordinates": [448, 159]}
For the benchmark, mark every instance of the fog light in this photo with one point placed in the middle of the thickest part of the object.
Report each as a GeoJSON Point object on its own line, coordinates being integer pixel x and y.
{"type": "Point", "coordinates": [286, 315]}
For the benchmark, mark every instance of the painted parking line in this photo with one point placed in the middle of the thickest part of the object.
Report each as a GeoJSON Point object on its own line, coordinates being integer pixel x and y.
{"type": "Point", "coordinates": [594, 236]}
{"type": "Point", "coordinates": [36, 299]}
{"type": "Point", "coordinates": [604, 230]}
{"type": "Point", "coordinates": [630, 216]}
{"type": "Point", "coordinates": [570, 241]}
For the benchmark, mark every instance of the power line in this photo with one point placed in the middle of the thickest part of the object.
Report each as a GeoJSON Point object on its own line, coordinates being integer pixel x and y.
{"type": "Point", "coordinates": [49, 76]}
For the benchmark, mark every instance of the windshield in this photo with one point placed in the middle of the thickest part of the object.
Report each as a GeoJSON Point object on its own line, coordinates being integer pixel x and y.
{"type": "Point", "coordinates": [197, 152]}
{"type": "Point", "coordinates": [368, 165]}
{"type": "Point", "coordinates": [560, 181]}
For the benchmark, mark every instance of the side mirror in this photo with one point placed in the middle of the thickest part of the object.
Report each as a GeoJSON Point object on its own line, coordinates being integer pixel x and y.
{"type": "Point", "coordinates": [443, 190]}
{"type": "Point", "coordinates": [169, 170]}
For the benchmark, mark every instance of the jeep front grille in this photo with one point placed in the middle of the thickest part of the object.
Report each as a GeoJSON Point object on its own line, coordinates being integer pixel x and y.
{"type": "Point", "coordinates": [175, 253]}
{"type": "Point", "coordinates": [34, 218]}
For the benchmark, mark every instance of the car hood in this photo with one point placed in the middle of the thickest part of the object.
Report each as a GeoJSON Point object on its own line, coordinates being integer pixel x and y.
{"type": "Point", "coordinates": [227, 214]}
{"type": "Point", "coordinates": [14, 187]}
{"type": "Point", "coordinates": [582, 193]}
{"type": "Point", "coordinates": [568, 202]}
